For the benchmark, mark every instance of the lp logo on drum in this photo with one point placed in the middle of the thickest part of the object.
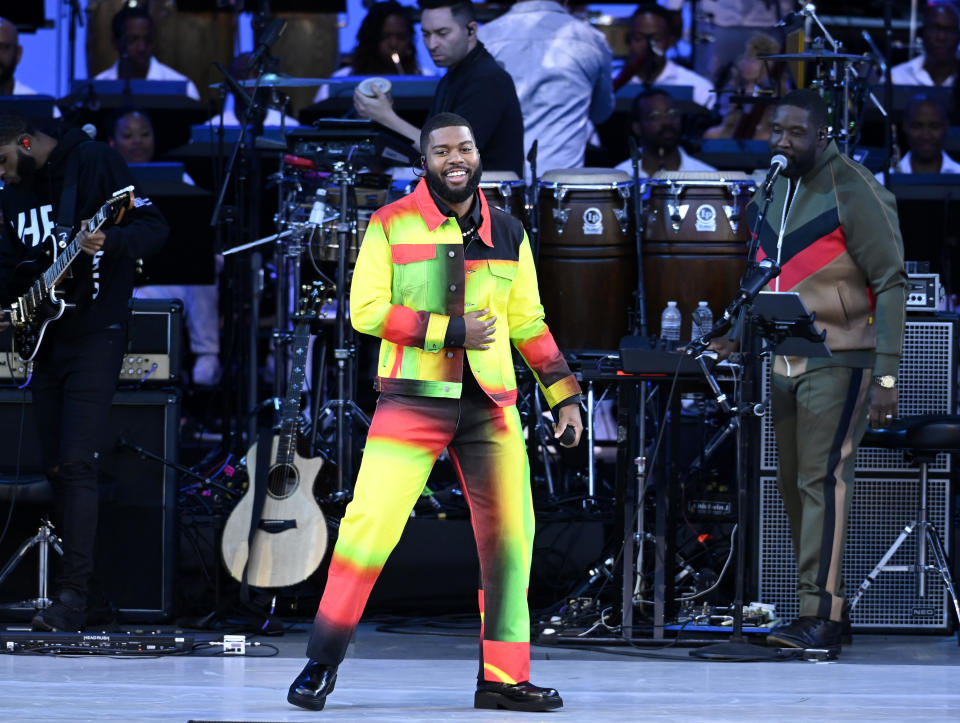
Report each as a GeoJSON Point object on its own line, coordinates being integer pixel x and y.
{"type": "Point", "coordinates": [706, 218]}
{"type": "Point", "coordinates": [592, 222]}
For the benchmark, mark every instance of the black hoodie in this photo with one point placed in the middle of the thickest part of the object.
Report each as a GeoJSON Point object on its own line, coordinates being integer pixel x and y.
{"type": "Point", "coordinates": [101, 285]}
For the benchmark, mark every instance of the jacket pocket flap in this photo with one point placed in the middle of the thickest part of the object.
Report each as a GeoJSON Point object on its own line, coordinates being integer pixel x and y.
{"type": "Point", "coordinates": [503, 269]}
{"type": "Point", "coordinates": [408, 253]}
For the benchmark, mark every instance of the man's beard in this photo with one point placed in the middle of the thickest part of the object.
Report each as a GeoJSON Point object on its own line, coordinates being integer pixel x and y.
{"type": "Point", "coordinates": [26, 168]}
{"type": "Point", "coordinates": [6, 73]}
{"type": "Point", "coordinates": [438, 185]}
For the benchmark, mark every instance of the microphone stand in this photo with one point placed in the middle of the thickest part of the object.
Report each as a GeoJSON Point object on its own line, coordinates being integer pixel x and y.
{"type": "Point", "coordinates": [252, 114]}
{"type": "Point", "coordinates": [737, 648]}
{"type": "Point", "coordinates": [640, 292]}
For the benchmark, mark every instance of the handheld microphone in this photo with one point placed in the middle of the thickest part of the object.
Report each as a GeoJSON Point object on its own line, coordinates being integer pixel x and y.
{"type": "Point", "coordinates": [271, 35]}
{"type": "Point", "coordinates": [777, 165]}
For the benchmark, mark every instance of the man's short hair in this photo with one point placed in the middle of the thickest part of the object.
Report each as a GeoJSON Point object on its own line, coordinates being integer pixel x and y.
{"type": "Point", "coordinates": [119, 113]}
{"type": "Point", "coordinates": [924, 99]}
{"type": "Point", "coordinates": [13, 124]}
{"type": "Point", "coordinates": [442, 120]}
{"type": "Point", "coordinates": [652, 8]}
{"type": "Point", "coordinates": [119, 25]}
{"type": "Point", "coordinates": [644, 95]}
{"type": "Point", "coordinates": [462, 10]}
{"type": "Point", "coordinates": [810, 101]}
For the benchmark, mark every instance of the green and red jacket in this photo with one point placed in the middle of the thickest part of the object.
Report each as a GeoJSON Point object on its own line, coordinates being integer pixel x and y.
{"type": "Point", "coordinates": [841, 251]}
{"type": "Point", "coordinates": [414, 274]}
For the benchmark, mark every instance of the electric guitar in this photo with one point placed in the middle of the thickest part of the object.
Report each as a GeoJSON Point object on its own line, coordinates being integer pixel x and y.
{"type": "Point", "coordinates": [291, 535]}
{"type": "Point", "coordinates": [43, 302]}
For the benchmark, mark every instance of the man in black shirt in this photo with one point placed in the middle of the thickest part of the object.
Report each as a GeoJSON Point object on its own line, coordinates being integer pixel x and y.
{"type": "Point", "coordinates": [475, 87]}
{"type": "Point", "coordinates": [52, 183]}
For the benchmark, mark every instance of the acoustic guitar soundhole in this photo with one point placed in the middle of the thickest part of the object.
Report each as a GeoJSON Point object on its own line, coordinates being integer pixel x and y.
{"type": "Point", "coordinates": [283, 481]}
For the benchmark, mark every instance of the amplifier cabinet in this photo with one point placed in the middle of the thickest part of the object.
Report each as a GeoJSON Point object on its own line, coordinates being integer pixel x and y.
{"type": "Point", "coordinates": [154, 345]}
{"type": "Point", "coordinates": [881, 508]}
{"type": "Point", "coordinates": [927, 380]}
{"type": "Point", "coordinates": [136, 545]}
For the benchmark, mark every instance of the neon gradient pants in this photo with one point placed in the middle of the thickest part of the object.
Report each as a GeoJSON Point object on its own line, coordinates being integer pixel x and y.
{"type": "Point", "coordinates": [487, 448]}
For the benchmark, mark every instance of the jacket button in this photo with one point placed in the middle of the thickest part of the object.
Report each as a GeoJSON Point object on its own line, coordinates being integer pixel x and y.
{"type": "Point", "coordinates": [446, 389]}
{"type": "Point", "coordinates": [449, 355]}
{"type": "Point", "coordinates": [451, 254]}
{"type": "Point", "coordinates": [453, 287]}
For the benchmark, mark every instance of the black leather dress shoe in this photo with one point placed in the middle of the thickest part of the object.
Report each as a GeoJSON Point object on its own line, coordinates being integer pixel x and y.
{"type": "Point", "coordinates": [520, 696]}
{"type": "Point", "coordinates": [808, 632]}
{"type": "Point", "coordinates": [313, 685]}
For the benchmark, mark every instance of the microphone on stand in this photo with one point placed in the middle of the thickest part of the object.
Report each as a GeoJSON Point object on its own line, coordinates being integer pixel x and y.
{"type": "Point", "coordinates": [767, 270]}
{"type": "Point", "coordinates": [791, 18]}
{"type": "Point", "coordinates": [271, 35]}
{"type": "Point", "coordinates": [778, 164]}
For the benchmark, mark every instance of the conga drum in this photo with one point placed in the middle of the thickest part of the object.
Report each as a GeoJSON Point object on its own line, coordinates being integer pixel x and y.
{"type": "Point", "coordinates": [694, 242]}
{"type": "Point", "coordinates": [587, 264]}
{"type": "Point", "coordinates": [507, 191]}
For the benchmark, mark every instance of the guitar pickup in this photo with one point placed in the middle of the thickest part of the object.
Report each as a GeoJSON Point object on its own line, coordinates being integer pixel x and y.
{"type": "Point", "coordinates": [275, 526]}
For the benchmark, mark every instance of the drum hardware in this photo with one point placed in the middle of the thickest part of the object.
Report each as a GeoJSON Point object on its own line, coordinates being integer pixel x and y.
{"type": "Point", "coordinates": [561, 214]}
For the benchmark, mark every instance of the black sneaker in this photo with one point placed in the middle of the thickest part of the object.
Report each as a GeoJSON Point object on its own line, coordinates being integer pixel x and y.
{"type": "Point", "coordinates": [808, 632]}
{"type": "Point", "coordinates": [67, 614]}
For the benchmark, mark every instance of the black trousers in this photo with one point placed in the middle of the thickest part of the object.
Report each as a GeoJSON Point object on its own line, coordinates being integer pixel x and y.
{"type": "Point", "coordinates": [73, 386]}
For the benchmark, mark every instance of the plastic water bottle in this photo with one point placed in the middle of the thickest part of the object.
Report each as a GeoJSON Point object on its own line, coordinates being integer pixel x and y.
{"type": "Point", "coordinates": [702, 320]}
{"type": "Point", "coordinates": [670, 322]}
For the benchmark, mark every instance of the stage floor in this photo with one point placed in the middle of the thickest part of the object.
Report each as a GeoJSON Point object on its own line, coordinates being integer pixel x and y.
{"type": "Point", "coordinates": [392, 677]}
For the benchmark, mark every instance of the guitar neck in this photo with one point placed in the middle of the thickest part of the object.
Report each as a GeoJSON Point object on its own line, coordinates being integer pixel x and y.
{"type": "Point", "coordinates": [53, 275]}
{"type": "Point", "coordinates": [290, 409]}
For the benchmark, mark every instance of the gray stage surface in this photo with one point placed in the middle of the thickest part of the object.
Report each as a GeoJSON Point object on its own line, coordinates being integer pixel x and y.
{"type": "Point", "coordinates": [392, 677]}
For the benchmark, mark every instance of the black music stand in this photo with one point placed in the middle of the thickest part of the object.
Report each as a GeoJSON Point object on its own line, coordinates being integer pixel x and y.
{"type": "Point", "coordinates": [780, 321]}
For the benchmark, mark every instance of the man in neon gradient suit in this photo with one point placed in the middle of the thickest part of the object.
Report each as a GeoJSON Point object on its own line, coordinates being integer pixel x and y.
{"type": "Point", "coordinates": [448, 283]}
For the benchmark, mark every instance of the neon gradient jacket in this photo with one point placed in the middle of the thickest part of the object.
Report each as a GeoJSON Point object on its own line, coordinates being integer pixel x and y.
{"type": "Point", "coordinates": [414, 273]}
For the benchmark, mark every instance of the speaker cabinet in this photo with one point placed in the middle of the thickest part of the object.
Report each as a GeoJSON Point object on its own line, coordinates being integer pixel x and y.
{"type": "Point", "coordinates": [136, 546]}
{"type": "Point", "coordinates": [881, 508]}
{"type": "Point", "coordinates": [927, 379]}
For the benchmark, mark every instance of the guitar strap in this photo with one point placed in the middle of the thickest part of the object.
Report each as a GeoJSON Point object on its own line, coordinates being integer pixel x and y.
{"type": "Point", "coordinates": [264, 448]}
{"type": "Point", "coordinates": [67, 206]}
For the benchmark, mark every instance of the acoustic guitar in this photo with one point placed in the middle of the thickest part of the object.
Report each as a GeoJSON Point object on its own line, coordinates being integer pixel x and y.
{"type": "Point", "coordinates": [291, 535]}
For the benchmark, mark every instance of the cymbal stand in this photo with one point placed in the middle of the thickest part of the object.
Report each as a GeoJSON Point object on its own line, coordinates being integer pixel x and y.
{"type": "Point", "coordinates": [344, 353]}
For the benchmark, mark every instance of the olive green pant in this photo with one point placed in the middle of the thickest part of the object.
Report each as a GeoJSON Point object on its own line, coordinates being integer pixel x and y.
{"type": "Point", "coordinates": [819, 417]}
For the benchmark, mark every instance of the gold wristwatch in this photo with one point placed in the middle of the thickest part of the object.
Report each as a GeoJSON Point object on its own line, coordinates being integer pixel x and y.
{"type": "Point", "coordinates": [886, 381]}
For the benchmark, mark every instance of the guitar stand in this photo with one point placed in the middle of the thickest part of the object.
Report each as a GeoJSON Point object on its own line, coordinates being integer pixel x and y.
{"type": "Point", "coordinates": [43, 541]}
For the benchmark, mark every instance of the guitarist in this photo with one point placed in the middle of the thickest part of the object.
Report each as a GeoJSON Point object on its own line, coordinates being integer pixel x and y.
{"type": "Point", "coordinates": [53, 183]}
{"type": "Point", "coordinates": [448, 283]}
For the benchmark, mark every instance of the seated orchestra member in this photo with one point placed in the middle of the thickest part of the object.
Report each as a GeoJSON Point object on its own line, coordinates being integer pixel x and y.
{"type": "Point", "coordinates": [567, 90]}
{"type": "Point", "coordinates": [133, 36]}
{"type": "Point", "coordinates": [937, 65]}
{"type": "Point", "coordinates": [52, 184]}
{"type": "Point", "coordinates": [925, 127]}
{"type": "Point", "coordinates": [475, 86]}
{"type": "Point", "coordinates": [131, 134]}
{"type": "Point", "coordinates": [748, 76]}
{"type": "Point", "coordinates": [657, 125]}
{"type": "Point", "coordinates": [447, 381]}
{"type": "Point", "coordinates": [385, 46]}
{"type": "Point", "coordinates": [11, 53]}
{"type": "Point", "coordinates": [651, 37]}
